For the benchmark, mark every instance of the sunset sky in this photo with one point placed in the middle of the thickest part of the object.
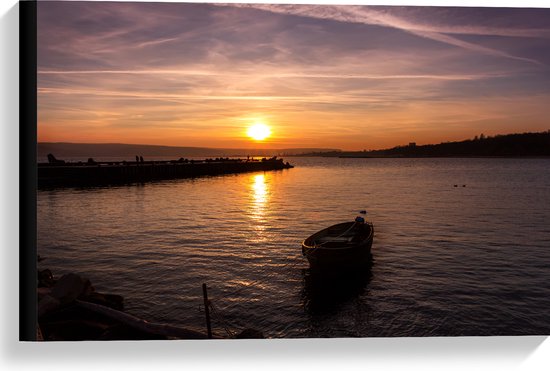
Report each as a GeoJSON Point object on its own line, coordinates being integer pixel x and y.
{"type": "Point", "coordinates": [349, 77]}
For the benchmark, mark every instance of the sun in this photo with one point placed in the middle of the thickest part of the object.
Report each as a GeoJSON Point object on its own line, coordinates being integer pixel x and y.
{"type": "Point", "coordinates": [259, 131]}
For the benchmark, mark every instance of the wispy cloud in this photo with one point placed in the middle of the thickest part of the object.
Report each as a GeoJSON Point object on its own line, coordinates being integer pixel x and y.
{"type": "Point", "coordinates": [337, 76]}
{"type": "Point", "coordinates": [275, 74]}
{"type": "Point", "coordinates": [370, 16]}
{"type": "Point", "coordinates": [156, 42]}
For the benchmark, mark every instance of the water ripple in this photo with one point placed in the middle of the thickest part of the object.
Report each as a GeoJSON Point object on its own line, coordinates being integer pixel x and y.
{"type": "Point", "coordinates": [447, 261]}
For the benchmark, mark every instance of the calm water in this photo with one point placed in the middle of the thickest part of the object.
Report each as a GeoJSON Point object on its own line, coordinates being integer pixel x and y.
{"type": "Point", "coordinates": [449, 261]}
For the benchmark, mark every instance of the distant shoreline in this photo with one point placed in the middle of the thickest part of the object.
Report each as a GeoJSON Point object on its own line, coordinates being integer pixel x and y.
{"type": "Point", "coordinates": [526, 145]}
{"type": "Point", "coordinates": [65, 150]}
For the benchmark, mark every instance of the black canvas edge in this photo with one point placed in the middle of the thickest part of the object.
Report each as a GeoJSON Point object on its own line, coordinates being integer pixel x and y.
{"type": "Point", "coordinates": [27, 170]}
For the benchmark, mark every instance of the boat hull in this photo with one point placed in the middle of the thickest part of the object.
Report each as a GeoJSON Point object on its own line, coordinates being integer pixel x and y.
{"type": "Point", "coordinates": [339, 256]}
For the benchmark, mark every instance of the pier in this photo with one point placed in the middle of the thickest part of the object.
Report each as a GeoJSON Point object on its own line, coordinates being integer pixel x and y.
{"type": "Point", "coordinates": [58, 173]}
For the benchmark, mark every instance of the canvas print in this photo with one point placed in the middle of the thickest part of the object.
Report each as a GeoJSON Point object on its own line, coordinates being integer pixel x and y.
{"type": "Point", "coordinates": [260, 171]}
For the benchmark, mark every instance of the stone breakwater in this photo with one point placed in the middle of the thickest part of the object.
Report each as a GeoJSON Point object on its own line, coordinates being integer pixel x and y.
{"type": "Point", "coordinates": [59, 173]}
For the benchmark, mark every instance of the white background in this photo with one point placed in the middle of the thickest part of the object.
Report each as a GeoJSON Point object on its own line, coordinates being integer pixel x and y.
{"type": "Point", "coordinates": [475, 353]}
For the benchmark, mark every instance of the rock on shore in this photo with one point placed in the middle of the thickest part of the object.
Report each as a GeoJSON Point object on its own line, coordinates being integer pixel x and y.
{"type": "Point", "coordinates": [70, 309]}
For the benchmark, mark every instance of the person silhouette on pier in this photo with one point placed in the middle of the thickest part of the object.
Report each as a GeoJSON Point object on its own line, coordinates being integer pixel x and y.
{"type": "Point", "coordinates": [52, 160]}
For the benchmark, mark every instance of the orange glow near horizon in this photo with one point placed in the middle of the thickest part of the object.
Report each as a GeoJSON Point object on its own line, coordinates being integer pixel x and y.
{"type": "Point", "coordinates": [328, 80]}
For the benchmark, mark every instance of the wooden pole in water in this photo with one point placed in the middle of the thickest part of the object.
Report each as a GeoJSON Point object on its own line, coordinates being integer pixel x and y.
{"type": "Point", "coordinates": [207, 310]}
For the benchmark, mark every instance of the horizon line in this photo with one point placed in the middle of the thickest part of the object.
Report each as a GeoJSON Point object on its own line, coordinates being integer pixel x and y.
{"type": "Point", "coordinates": [288, 148]}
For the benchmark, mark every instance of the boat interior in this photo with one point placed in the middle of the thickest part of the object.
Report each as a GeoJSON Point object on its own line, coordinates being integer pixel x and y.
{"type": "Point", "coordinates": [340, 235]}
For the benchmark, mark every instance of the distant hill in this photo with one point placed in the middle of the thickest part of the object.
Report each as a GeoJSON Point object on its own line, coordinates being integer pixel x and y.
{"type": "Point", "coordinates": [99, 151]}
{"type": "Point", "coordinates": [510, 145]}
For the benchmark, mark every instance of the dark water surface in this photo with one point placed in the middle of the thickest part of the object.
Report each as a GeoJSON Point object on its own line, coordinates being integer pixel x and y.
{"type": "Point", "coordinates": [448, 261]}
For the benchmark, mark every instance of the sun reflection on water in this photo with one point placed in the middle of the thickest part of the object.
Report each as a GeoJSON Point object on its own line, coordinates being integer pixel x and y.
{"type": "Point", "coordinates": [259, 188]}
{"type": "Point", "coordinates": [259, 199]}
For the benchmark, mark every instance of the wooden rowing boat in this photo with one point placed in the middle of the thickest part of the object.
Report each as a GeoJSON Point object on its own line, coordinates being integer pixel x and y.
{"type": "Point", "coordinates": [341, 246]}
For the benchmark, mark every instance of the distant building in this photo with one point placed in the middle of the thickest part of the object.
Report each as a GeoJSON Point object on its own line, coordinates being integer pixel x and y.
{"type": "Point", "coordinates": [412, 144]}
